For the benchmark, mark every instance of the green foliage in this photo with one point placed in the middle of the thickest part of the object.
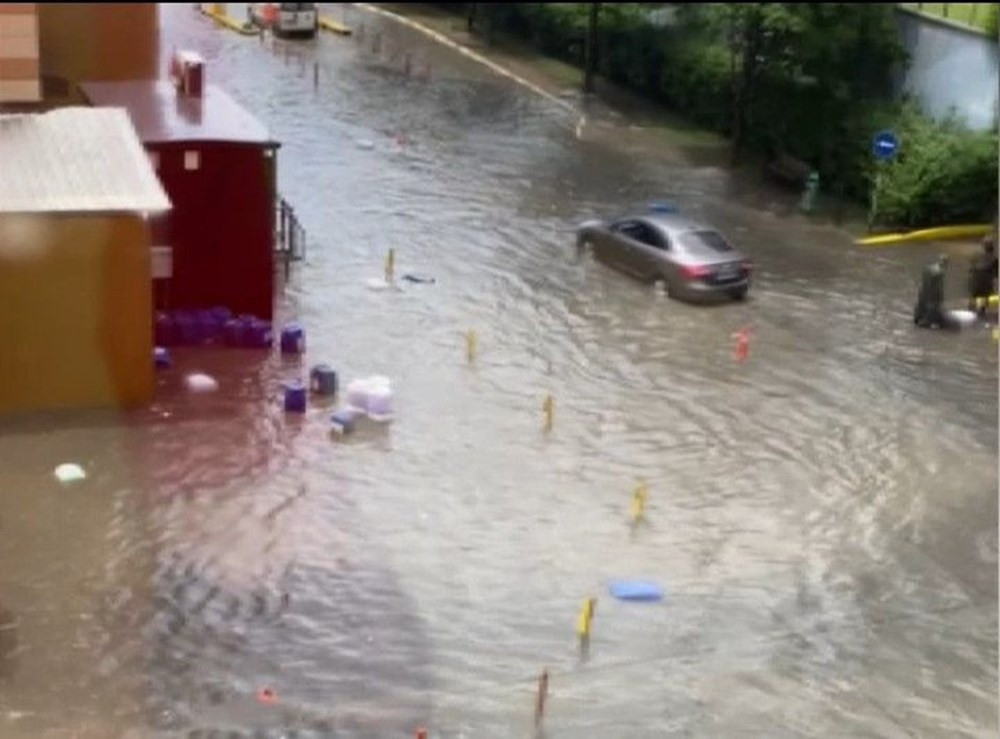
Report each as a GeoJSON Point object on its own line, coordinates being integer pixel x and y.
{"type": "Point", "coordinates": [812, 80]}
{"type": "Point", "coordinates": [992, 24]}
{"type": "Point", "coordinates": [943, 174]}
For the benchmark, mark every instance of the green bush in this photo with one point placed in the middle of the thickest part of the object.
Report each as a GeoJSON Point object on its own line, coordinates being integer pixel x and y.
{"type": "Point", "coordinates": [944, 174]}
{"type": "Point", "coordinates": [809, 101]}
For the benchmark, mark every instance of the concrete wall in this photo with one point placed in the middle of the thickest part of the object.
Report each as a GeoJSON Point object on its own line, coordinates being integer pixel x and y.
{"type": "Point", "coordinates": [76, 322]}
{"type": "Point", "coordinates": [950, 67]}
{"type": "Point", "coordinates": [99, 41]}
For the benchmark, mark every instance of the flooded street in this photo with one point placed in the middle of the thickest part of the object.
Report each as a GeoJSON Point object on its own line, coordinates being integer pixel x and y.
{"type": "Point", "coordinates": [823, 517]}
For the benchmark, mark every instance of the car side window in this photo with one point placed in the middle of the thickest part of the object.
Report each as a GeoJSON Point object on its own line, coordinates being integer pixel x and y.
{"type": "Point", "coordinates": [641, 232]}
{"type": "Point", "coordinates": [625, 228]}
{"type": "Point", "coordinates": [649, 236]}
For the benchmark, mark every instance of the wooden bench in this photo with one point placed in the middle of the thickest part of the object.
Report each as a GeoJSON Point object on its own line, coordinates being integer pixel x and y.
{"type": "Point", "coordinates": [789, 170]}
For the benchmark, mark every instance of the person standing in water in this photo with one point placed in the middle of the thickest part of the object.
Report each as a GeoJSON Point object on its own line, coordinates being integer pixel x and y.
{"type": "Point", "coordinates": [928, 311]}
{"type": "Point", "coordinates": [983, 276]}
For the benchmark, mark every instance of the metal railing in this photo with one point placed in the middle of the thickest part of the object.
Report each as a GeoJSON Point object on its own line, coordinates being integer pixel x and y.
{"type": "Point", "coordinates": [289, 235]}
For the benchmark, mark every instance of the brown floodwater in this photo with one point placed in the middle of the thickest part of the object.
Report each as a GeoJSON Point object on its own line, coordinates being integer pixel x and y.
{"type": "Point", "coordinates": [822, 517]}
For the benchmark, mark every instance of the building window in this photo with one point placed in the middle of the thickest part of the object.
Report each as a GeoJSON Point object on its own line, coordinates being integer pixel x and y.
{"type": "Point", "coordinates": [192, 160]}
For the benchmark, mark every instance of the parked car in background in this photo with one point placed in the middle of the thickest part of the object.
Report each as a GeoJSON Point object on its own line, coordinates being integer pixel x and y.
{"type": "Point", "coordinates": [286, 19]}
{"type": "Point", "coordinates": [694, 262]}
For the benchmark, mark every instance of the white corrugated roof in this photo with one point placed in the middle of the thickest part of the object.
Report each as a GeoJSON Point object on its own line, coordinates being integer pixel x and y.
{"type": "Point", "coordinates": [75, 159]}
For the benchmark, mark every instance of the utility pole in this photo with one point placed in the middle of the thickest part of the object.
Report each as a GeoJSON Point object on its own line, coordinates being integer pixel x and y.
{"type": "Point", "coordinates": [590, 62]}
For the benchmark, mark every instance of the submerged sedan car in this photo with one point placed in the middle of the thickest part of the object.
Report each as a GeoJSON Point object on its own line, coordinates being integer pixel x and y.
{"type": "Point", "coordinates": [693, 261]}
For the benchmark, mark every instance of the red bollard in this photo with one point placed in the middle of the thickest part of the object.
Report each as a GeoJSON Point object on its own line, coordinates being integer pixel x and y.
{"type": "Point", "coordinates": [742, 348]}
{"type": "Point", "coordinates": [421, 734]}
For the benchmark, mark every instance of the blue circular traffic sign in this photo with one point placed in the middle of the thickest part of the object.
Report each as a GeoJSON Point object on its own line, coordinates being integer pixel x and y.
{"type": "Point", "coordinates": [884, 145]}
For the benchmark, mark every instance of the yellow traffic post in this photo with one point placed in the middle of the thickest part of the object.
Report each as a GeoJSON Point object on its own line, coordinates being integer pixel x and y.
{"type": "Point", "coordinates": [638, 502]}
{"type": "Point", "coordinates": [583, 622]}
{"type": "Point", "coordinates": [548, 409]}
{"type": "Point", "coordinates": [390, 265]}
{"type": "Point", "coordinates": [471, 345]}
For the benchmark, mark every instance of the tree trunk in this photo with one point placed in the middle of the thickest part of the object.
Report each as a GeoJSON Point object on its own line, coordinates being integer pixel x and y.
{"type": "Point", "coordinates": [748, 79]}
{"type": "Point", "coordinates": [590, 62]}
{"type": "Point", "coordinates": [736, 131]}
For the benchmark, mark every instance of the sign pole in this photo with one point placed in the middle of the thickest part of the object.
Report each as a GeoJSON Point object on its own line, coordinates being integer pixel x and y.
{"type": "Point", "coordinates": [873, 212]}
{"type": "Point", "coordinates": [884, 147]}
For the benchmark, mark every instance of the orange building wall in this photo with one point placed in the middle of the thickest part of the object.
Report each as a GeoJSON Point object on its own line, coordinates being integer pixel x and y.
{"type": "Point", "coordinates": [99, 41]}
{"type": "Point", "coordinates": [19, 72]}
{"type": "Point", "coordinates": [76, 315]}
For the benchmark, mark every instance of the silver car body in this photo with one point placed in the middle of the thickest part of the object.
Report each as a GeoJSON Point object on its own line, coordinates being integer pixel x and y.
{"type": "Point", "coordinates": [694, 261]}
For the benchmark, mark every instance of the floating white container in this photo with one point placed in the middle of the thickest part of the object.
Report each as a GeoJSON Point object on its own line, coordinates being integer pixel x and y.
{"type": "Point", "coordinates": [380, 403]}
{"type": "Point", "coordinates": [199, 383]}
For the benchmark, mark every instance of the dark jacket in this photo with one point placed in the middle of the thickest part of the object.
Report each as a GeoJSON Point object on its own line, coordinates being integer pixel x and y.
{"type": "Point", "coordinates": [927, 311]}
{"type": "Point", "coordinates": [982, 275]}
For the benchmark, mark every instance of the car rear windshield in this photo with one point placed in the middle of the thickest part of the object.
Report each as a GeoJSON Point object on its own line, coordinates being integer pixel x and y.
{"type": "Point", "coordinates": [705, 241]}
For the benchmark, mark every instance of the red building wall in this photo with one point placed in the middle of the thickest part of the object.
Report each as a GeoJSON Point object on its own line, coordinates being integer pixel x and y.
{"type": "Point", "coordinates": [221, 227]}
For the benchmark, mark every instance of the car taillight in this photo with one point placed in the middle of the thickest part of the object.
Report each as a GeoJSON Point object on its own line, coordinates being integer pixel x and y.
{"type": "Point", "coordinates": [694, 271]}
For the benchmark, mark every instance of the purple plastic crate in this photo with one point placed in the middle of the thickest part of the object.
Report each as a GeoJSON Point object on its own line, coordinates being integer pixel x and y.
{"type": "Point", "coordinates": [261, 335]}
{"type": "Point", "coordinates": [295, 397]}
{"type": "Point", "coordinates": [221, 313]}
{"type": "Point", "coordinates": [161, 357]}
{"type": "Point", "coordinates": [235, 332]}
{"type": "Point", "coordinates": [187, 330]}
{"type": "Point", "coordinates": [293, 339]}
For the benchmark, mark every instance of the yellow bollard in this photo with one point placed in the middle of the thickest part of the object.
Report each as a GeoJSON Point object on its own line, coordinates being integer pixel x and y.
{"type": "Point", "coordinates": [390, 265]}
{"type": "Point", "coordinates": [993, 301]}
{"type": "Point", "coordinates": [996, 334]}
{"type": "Point", "coordinates": [585, 617]}
{"type": "Point", "coordinates": [638, 502]}
{"type": "Point", "coordinates": [471, 344]}
{"type": "Point", "coordinates": [548, 408]}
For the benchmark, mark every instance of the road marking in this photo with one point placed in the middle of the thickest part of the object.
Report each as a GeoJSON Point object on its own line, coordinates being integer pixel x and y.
{"type": "Point", "coordinates": [329, 24]}
{"type": "Point", "coordinates": [469, 53]}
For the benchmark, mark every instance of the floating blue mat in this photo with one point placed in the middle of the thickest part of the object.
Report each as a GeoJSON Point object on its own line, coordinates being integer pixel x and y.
{"type": "Point", "coordinates": [635, 590]}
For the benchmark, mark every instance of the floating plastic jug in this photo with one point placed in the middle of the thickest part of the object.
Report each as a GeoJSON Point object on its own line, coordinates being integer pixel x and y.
{"type": "Point", "coordinates": [260, 335]}
{"type": "Point", "coordinates": [357, 395]}
{"type": "Point", "coordinates": [293, 339]}
{"type": "Point", "coordinates": [235, 332]}
{"type": "Point", "coordinates": [295, 397]}
{"type": "Point", "coordinates": [221, 314]}
{"type": "Point", "coordinates": [186, 328]}
{"type": "Point", "coordinates": [342, 421]}
{"type": "Point", "coordinates": [323, 380]}
{"type": "Point", "coordinates": [161, 357]}
{"type": "Point", "coordinates": [380, 403]}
